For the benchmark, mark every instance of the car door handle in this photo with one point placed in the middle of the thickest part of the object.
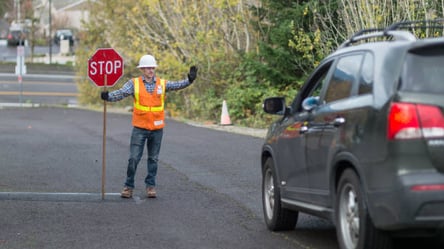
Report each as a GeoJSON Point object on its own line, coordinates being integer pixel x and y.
{"type": "Point", "coordinates": [338, 121]}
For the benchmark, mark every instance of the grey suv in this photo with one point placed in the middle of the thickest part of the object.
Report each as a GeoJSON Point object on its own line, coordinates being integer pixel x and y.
{"type": "Point", "coordinates": [362, 143]}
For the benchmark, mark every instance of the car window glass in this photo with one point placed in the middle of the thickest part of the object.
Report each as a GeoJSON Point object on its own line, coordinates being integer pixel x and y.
{"type": "Point", "coordinates": [423, 71]}
{"type": "Point", "coordinates": [366, 78]}
{"type": "Point", "coordinates": [316, 90]}
{"type": "Point", "coordinates": [313, 87]}
{"type": "Point", "coordinates": [343, 77]}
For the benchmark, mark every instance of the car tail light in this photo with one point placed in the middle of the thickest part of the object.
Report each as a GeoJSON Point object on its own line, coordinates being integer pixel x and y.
{"type": "Point", "coordinates": [409, 121]}
{"type": "Point", "coordinates": [433, 187]}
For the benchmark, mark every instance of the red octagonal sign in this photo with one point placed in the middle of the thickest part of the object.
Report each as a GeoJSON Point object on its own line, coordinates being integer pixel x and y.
{"type": "Point", "coordinates": [105, 67]}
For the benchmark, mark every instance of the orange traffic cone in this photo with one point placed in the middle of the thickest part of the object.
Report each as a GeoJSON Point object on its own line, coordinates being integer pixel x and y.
{"type": "Point", "coordinates": [225, 117]}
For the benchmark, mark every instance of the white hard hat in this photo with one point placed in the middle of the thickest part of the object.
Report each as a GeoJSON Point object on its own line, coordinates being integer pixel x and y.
{"type": "Point", "coordinates": [147, 61]}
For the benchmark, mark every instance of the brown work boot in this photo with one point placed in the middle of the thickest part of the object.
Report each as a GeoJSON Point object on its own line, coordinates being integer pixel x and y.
{"type": "Point", "coordinates": [151, 192]}
{"type": "Point", "coordinates": [127, 192]}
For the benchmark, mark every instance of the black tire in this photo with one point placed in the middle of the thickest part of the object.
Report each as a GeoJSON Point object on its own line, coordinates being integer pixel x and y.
{"type": "Point", "coordinates": [438, 240]}
{"type": "Point", "coordinates": [276, 217]}
{"type": "Point", "coordinates": [354, 227]}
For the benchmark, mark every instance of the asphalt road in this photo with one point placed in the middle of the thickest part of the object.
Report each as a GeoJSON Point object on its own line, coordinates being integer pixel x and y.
{"type": "Point", "coordinates": [208, 187]}
{"type": "Point", "coordinates": [38, 89]}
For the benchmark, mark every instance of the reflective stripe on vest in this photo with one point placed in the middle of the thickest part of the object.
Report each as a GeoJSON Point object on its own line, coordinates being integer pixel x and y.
{"type": "Point", "coordinates": [137, 83]}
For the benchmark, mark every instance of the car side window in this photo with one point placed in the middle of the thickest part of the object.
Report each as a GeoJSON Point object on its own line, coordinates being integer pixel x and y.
{"type": "Point", "coordinates": [343, 77]}
{"type": "Point", "coordinates": [366, 78]}
{"type": "Point", "coordinates": [316, 91]}
{"type": "Point", "coordinates": [423, 71]}
{"type": "Point", "coordinates": [313, 87]}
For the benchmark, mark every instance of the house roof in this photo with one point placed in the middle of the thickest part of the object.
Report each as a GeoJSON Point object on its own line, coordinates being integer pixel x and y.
{"type": "Point", "coordinates": [77, 5]}
{"type": "Point", "coordinates": [62, 5]}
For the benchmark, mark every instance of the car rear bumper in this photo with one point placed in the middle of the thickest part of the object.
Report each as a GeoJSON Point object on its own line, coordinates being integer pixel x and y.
{"type": "Point", "coordinates": [403, 208]}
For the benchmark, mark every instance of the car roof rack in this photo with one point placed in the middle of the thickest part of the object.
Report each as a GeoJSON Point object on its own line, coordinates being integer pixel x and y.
{"type": "Point", "coordinates": [421, 24]}
{"type": "Point", "coordinates": [401, 31]}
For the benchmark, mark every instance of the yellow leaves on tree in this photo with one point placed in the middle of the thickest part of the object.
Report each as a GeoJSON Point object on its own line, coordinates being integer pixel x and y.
{"type": "Point", "coordinates": [179, 33]}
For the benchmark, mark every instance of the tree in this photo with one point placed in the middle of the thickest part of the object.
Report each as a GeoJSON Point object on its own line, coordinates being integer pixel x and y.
{"type": "Point", "coordinates": [276, 20]}
{"type": "Point", "coordinates": [6, 6]}
{"type": "Point", "coordinates": [276, 67]}
{"type": "Point", "coordinates": [208, 33]}
{"type": "Point", "coordinates": [340, 19]}
{"type": "Point", "coordinates": [246, 50]}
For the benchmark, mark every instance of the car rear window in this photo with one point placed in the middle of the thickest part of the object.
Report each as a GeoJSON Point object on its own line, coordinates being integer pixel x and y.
{"type": "Point", "coordinates": [423, 71]}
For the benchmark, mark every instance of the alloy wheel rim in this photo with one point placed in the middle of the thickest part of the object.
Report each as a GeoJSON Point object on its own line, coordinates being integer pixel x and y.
{"type": "Point", "coordinates": [269, 194]}
{"type": "Point", "coordinates": [349, 217]}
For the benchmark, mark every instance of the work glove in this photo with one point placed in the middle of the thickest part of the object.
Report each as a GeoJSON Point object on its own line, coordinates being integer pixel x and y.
{"type": "Point", "coordinates": [104, 95]}
{"type": "Point", "coordinates": [192, 74]}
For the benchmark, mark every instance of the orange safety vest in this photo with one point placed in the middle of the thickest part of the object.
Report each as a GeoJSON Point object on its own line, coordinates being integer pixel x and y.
{"type": "Point", "coordinates": [148, 111]}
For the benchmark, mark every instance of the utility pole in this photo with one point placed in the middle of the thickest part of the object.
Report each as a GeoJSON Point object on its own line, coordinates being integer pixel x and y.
{"type": "Point", "coordinates": [50, 32]}
{"type": "Point", "coordinates": [19, 15]}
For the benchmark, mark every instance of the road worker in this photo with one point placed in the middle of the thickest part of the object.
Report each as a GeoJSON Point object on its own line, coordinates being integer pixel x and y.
{"type": "Point", "coordinates": [148, 118]}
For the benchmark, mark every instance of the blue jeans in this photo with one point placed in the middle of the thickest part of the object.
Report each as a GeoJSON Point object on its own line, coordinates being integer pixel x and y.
{"type": "Point", "coordinates": [153, 141]}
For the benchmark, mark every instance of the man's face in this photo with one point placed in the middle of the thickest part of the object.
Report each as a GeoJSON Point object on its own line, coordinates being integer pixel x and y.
{"type": "Point", "coordinates": [148, 72]}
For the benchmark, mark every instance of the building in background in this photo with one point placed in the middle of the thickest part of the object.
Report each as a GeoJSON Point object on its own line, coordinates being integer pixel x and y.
{"type": "Point", "coordinates": [65, 14]}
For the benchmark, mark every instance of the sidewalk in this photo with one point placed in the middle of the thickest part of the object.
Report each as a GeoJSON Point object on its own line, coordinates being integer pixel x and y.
{"type": "Point", "coordinates": [260, 133]}
{"type": "Point", "coordinates": [60, 65]}
{"type": "Point", "coordinates": [56, 59]}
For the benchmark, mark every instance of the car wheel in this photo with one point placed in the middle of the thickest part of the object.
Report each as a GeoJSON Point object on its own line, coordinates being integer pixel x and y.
{"type": "Point", "coordinates": [276, 217]}
{"type": "Point", "coordinates": [355, 229]}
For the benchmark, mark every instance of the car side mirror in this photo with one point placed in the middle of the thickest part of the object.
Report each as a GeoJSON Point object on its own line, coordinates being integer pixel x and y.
{"type": "Point", "coordinates": [310, 103]}
{"type": "Point", "coordinates": [275, 105]}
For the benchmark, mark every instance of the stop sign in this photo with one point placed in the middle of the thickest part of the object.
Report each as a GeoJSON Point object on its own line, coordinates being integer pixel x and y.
{"type": "Point", "coordinates": [107, 64]}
